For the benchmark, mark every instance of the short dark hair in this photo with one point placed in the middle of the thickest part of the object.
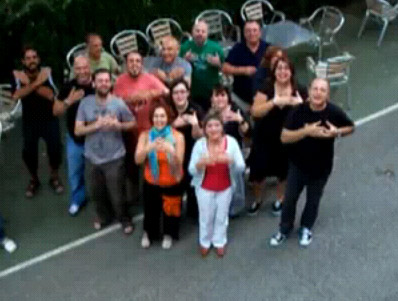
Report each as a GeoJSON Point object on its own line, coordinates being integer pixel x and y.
{"type": "Point", "coordinates": [101, 70]}
{"type": "Point", "coordinates": [133, 52]}
{"type": "Point", "coordinates": [269, 54]}
{"type": "Point", "coordinates": [220, 88]}
{"type": "Point", "coordinates": [212, 115]}
{"type": "Point", "coordinates": [292, 71]}
{"type": "Point", "coordinates": [170, 98]}
{"type": "Point", "coordinates": [27, 48]}
{"type": "Point", "coordinates": [160, 104]}
{"type": "Point", "coordinates": [90, 35]}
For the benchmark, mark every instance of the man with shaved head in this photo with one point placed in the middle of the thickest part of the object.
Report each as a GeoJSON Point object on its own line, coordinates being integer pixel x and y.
{"type": "Point", "coordinates": [206, 58]}
{"type": "Point", "coordinates": [68, 101]}
{"type": "Point", "coordinates": [169, 67]}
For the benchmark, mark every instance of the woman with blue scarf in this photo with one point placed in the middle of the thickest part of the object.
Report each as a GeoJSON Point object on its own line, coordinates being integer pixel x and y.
{"type": "Point", "coordinates": [161, 150]}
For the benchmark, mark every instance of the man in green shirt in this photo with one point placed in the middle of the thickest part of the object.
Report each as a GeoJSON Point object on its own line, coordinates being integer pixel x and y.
{"type": "Point", "coordinates": [206, 57]}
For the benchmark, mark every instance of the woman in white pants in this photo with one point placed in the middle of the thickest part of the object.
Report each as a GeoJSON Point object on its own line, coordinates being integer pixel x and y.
{"type": "Point", "coordinates": [214, 160]}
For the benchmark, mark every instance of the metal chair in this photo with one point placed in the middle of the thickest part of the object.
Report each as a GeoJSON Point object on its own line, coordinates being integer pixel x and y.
{"type": "Point", "coordinates": [335, 69]}
{"type": "Point", "coordinates": [79, 49]}
{"type": "Point", "coordinates": [128, 40]}
{"type": "Point", "coordinates": [325, 22]}
{"type": "Point", "coordinates": [9, 110]}
{"type": "Point", "coordinates": [262, 11]}
{"type": "Point", "coordinates": [220, 27]}
{"type": "Point", "coordinates": [380, 10]}
{"type": "Point", "coordinates": [161, 28]}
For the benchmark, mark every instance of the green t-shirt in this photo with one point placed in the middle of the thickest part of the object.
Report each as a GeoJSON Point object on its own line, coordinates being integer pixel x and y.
{"type": "Point", "coordinates": [204, 75]}
{"type": "Point", "coordinates": [106, 61]}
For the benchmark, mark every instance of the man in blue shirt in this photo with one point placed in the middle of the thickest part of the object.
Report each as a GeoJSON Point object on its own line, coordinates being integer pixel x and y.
{"type": "Point", "coordinates": [243, 60]}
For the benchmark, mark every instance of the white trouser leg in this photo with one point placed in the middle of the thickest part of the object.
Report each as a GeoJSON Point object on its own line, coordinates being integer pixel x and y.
{"type": "Point", "coordinates": [207, 211]}
{"type": "Point", "coordinates": [223, 200]}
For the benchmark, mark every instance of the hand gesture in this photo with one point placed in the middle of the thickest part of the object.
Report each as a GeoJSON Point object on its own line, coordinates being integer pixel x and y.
{"type": "Point", "coordinates": [250, 70]}
{"type": "Point", "coordinates": [22, 77]}
{"type": "Point", "coordinates": [222, 157]}
{"type": "Point", "coordinates": [180, 121]}
{"type": "Point", "coordinates": [43, 76]}
{"type": "Point", "coordinates": [214, 60]}
{"type": "Point", "coordinates": [164, 146]}
{"type": "Point", "coordinates": [296, 100]}
{"type": "Point", "coordinates": [316, 130]}
{"type": "Point", "coordinates": [160, 74]}
{"type": "Point", "coordinates": [189, 56]}
{"type": "Point", "coordinates": [333, 130]}
{"type": "Point", "coordinates": [74, 95]}
{"type": "Point", "coordinates": [177, 73]}
{"type": "Point", "coordinates": [192, 119]}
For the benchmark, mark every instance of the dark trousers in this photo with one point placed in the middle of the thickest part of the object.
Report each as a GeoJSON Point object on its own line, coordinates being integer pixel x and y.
{"type": "Point", "coordinates": [108, 190]}
{"type": "Point", "coordinates": [153, 211]}
{"type": "Point", "coordinates": [192, 203]}
{"type": "Point", "coordinates": [296, 181]}
{"type": "Point", "coordinates": [32, 132]}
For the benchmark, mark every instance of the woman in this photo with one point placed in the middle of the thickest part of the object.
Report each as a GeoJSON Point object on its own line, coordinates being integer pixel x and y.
{"type": "Point", "coordinates": [187, 123]}
{"type": "Point", "coordinates": [215, 158]}
{"type": "Point", "coordinates": [161, 149]}
{"type": "Point", "coordinates": [271, 105]}
{"type": "Point", "coordinates": [267, 63]}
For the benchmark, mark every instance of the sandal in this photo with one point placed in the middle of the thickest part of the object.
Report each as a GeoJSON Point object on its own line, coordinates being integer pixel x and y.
{"type": "Point", "coordinates": [32, 188]}
{"type": "Point", "coordinates": [127, 227]}
{"type": "Point", "coordinates": [98, 225]}
{"type": "Point", "coordinates": [57, 185]}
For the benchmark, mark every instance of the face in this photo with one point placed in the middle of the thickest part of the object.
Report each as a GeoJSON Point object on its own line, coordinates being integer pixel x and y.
{"type": "Point", "coordinates": [159, 118]}
{"type": "Point", "coordinates": [200, 32]}
{"type": "Point", "coordinates": [180, 95]}
{"type": "Point", "coordinates": [283, 72]}
{"type": "Point", "coordinates": [81, 69]}
{"type": "Point", "coordinates": [214, 129]}
{"type": "Point", "coordinates": [319, 92]}
{"type": "Point", "coordinates": [95, 46]}
{"type": "Point", "coordinates": [31, 60]}
{"type": "Point", "coordinates": [252, 33]}
{"type": "Point", "coordinates": [169, 51]}
{"type": "Point", "coordinates": [277, 55]}
{"type": "Point", "coordinates": [102, 84]}
{"type": "Point", "coordinates": [219, 100]}
{"type": "Point", "coordinates": [134, 64]}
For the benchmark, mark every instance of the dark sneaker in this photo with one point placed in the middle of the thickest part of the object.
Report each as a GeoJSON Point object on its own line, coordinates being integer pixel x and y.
{"type": "Point", "coordinates": [277, 208]}
{"type": "Point", "coordinates": [254, 208]}
{"type": "Point", "coordinates": [277, 239]}
{"type": "Point", "coordinates": [56, 185]}
{"type": "Point", "coordinates": [305, 237]}
{"type": "Point", "coordinates": [32, 188]}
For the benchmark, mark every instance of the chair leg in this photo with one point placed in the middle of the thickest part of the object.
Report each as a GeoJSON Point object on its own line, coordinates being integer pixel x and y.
{"type": "Point", "coordinates": [364, 21]}
{"type": "Point", "coordinates": [349, 104]}
{"type": "Point", "coordinates": [383, 32]}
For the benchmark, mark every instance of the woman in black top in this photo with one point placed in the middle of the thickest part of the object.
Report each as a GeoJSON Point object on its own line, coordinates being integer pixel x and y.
{"type": "Point", "coordinates": [270, 108]}
{"type": "Point", "coordinates": [187, 121]}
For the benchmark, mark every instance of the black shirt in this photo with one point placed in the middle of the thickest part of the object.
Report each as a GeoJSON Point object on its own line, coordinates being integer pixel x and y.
{"type": "Point", "coordinates": [314, 156]}
{"type": "Point", "coordinates": [72, 110]}
{"type": "Point", "coordinates": [232, 127]}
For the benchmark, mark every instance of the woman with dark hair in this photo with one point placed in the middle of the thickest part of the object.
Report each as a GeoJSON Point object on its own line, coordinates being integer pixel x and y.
{"type": "Point", "coordinates": [161, 149]}
{"type": "Point", "coordinates": [267, 63]}
{"type": "Point", "coordinates": [187, 122]}
{"type": "Point", "coordinates": [214, 159]}
{"type": "Point", "coordinates": [270, 108]}
{"type": "Point", "coordinates": [235, 123]}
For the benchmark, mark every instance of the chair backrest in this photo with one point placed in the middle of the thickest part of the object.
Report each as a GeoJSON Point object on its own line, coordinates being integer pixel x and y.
{"type": "Point", "coordinates": [261, 11]}
{"type": "Point", "coordinates": [127, 41]}
{"type": "Point", "coordinates": [161, 28]}
{"type": "Point", "coordinates": [9, 111]}
{"type": "Point", "coordinates": [326, 21]}
{"type": "Point", "coordinates": [219, 23]}
{"type": "Point", "coordinates": [79, 49]}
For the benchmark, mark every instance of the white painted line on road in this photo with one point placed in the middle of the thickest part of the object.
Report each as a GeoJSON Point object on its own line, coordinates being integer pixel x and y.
{"type": "Point", "coordinates": [64, 248]}
{"type": "Point", "coordinates": [111, 229]}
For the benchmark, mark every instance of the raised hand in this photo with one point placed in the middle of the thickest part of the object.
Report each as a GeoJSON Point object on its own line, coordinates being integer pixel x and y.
{"type": "Point", "coordinates": [316, 130]}
{"type": "Point", "coordinates": [75, 95]}
{"type": "Point", "coordinates": [214, 60]}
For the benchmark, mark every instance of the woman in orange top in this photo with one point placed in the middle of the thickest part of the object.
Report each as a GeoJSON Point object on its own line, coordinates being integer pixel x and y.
{"type": "Point", "coordinates": [161, 149]}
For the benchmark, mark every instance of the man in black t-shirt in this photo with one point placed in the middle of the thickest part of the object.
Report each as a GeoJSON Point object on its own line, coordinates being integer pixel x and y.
{"type": "Point", "coordinates": [68, 101]}
{"type": "Point", "coordinates": [35, 87]}
{"type": "Point", "coordinates": [309, 131]}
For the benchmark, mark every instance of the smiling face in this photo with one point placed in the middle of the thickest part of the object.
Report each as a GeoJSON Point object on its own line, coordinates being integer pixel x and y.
{"type": "Point", "coordinates": [134, 64]}
{"type": "Point", "coordinates": [94, 46]}
{"type": "Point", "coordinates": [219, 100]}
{"type": "Point", "coordinates": [159, 118]}
{"type": "Point", "coordinates": [102, 84]}
{"type": "Point", "coordinates": [31, 60]}
{"type": "Point", "coordinates": [252, 32]}
{"type": "Point", "coordinates": [214, 129]}
{"type": "Point", "coordinates": [283, 73]}
{"type": "Point", "coordinates": [200, 32]}
{"type": "Point", "coordinates": [179, 95]}
{"type": "Point", "coordinates": [319, 93]}
{"type": "Point", "coordinates": [81, 69]}
{"type": "Point", "coordinates": [169, 50]}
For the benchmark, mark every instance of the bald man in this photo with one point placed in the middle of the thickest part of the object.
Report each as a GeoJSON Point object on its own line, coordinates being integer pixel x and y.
{"type": "Point", "coordinates": [206, 58]}
{"type": "Point", "coordinates": [169, 67]}
{"type": "Point", "coordinates": [68, 101]}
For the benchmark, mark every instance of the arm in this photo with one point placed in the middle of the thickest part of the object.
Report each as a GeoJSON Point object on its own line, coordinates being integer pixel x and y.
{"type": "Point", "coordinates": [143, 148]}
{"type": "Point", "coordinates": [238, 160]}
{"type": "Point", "coordinates": [25, 90]}
{"type": "Point", "coordinates": [195, 158]}
{"type": "Point", "coordinates": [59, 107]}
{"type": "Point", "coordinates": [292, 136]}
{"type": "Point", "coordinates": [179, 149]}
{"type": "Point", "coordinates": [230, 69]}
{"type": "Point", "coordinates": [261, 106]}
{"type": "Point", "coordinates": [81, 129]}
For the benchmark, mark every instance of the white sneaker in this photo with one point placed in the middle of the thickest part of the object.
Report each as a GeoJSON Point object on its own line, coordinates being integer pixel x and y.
{"type": "Point", "coordinates": [167, 242]}
{"type": "Point", "coordinates": [8, 244]}
{"type": "Point", "coordinates": [305, 237]}
{"type": "Point", "coordinates": [145, 242]}
{"type": "Point", "coordinates": [73, 209]}
{"type": "Point", "coordinates": [277, 239]}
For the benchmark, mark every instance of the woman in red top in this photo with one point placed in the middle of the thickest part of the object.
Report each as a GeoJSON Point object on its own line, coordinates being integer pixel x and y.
{"type": "Point", "coordinates": [161, 149]}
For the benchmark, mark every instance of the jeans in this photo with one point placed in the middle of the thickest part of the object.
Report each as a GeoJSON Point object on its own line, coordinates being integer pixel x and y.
{"type": "Point", "coordinates": [296, 181]}
{"type": "Point", "coordinates": [76, 161]}
{"type": "Point", "coordinates": [213, 216]}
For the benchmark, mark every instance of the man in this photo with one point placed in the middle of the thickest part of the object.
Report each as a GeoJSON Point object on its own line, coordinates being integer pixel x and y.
{"type": "Point", "coordinates": [68, 101]}
{"type": "Point", "coordinates": [169, 67]}
{"type": "Point", "coordinates": [206, 58]}
{"type": "Point", "coordinates": [310, 131]}
{"type": "Point", "coordinates": [101, 118]}
{"type": "Point", "coordinates": [244, 59]}
{"type": "Point", "coordinates": [98, 57]}
{"type": "Point", "coordinates": [34, 86]}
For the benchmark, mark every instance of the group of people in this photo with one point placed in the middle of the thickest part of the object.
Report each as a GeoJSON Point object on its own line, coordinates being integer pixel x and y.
{"type": "Point", "coordinates": [175, 133]}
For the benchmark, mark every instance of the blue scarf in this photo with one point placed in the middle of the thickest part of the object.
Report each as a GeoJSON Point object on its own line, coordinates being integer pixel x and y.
{"type": "Point", "coordinates": [167, 134]}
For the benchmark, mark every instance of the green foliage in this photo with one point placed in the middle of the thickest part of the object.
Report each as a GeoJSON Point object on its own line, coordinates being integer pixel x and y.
{"type": "Point", "coordinates": [54, 26]}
